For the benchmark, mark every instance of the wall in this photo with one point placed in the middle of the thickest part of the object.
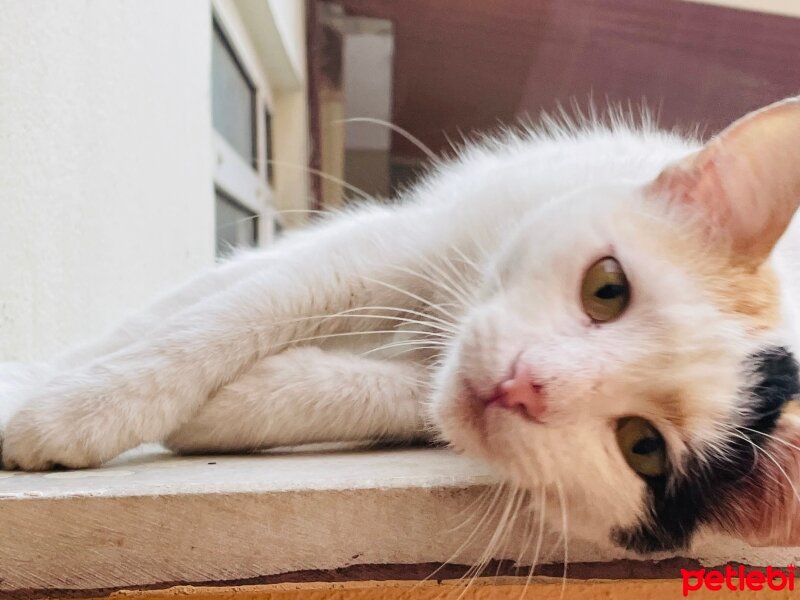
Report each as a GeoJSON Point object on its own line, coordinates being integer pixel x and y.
{"type": "Point", "coordinates": [269, 36]}
{"type": "Point", "coordinates": [368, 72]}
{"type": "Point", "coordinates": [105, 163]}
{"type": "Point", "coordinates": [368, 170]}
{"type": "Point", "coordinates": [290, 126]}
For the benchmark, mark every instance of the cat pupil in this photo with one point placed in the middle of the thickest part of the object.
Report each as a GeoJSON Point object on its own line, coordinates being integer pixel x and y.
{"type": "Point", "coordinates": [610, 291]}
{"type": "Point", "coordinates": [646, 446]}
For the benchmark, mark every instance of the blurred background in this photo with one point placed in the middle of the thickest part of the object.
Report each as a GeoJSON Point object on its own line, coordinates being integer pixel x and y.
{"type": "Point", "coordinates": [141, 140]}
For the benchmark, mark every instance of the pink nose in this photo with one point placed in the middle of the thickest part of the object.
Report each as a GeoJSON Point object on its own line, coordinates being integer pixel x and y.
{"type": "Point", "coordinates": [521, 391]}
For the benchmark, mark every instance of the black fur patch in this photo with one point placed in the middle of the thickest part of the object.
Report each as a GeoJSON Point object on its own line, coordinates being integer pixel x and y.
{"type": "Point", "coordinates": [681, 504]}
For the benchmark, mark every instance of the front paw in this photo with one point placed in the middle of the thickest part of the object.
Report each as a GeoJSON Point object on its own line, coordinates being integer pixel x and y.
{"type": "Point", "coordinates": [64, 423]}
{"type": "Point", "coordinates": [15, 381]}
{"type": "Point", "coordinates": [38, 438]}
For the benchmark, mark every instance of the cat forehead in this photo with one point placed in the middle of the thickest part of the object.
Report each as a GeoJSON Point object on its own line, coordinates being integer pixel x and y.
{"type": "Point", "coordinates": [749, 294]}
{"type": "Point", "coordinates": [652, 241]}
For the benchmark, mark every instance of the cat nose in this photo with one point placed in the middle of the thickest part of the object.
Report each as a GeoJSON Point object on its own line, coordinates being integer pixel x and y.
{"type": "Point", "coordinates": [523, 392]}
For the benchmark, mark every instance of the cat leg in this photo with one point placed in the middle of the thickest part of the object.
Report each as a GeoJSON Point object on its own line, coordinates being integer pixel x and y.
{"type": "Point", "coordinates": [146, 390]}
{"type": "Point", "coordinates": [18, 379]}
{"type": "Point", "coordinates": [306, 395]}
{"type": "Point", "coordinates": [202, 286]}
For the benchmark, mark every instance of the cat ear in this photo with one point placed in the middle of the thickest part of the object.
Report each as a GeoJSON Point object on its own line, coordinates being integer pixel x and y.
{"type": "Point", "coordinates": [746, 179]}
{"type": "Point", "coordinates": [765, 511]}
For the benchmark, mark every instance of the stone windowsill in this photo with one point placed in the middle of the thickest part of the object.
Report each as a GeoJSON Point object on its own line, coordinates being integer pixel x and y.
{"type": "Point", "coordinates": [151, 520]}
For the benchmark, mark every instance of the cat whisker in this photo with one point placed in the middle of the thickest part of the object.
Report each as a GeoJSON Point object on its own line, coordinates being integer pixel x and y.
{"type": "Point", "coordinates": [396, 128]}
{"type": "Point", "coordinates": [499, 534]}
{"type": "Point", "coordinates": [414, 346]}
{"type": "Point", "coordinates": [435, 326]}
{"type": "Point", "coordinates": [484, 516]}
{"type": "Point", "coordinates": [466, 260]}
{"type": "Point", "coordinates": [501, 555]}
{"type": "Point", "coordinates": [465, 296]}
{"type": "Point", "coordinates": [279, 212]}
{"type": "Point", "coordinates": [502, 489]}
{"type": "Point", "coordinates": [473, 511]}
{"type": "Point", "coordinates": [457, 294]}
{"type": "Point", "coordinates": [478, 567]}
{"type": "Point", "coordinates": [756, 449]}
{"type": "Point", "coordinates": [327, 176]}
{"type": "Point", "coordinates": [539, 541]}
{"type": "Point", "coordinates": [780, 468]}
{"type": "Point", "coordinates": [413, 296]}
{"type": "Point", "coordinates": [428, 319]}
{"type": "Point", "coordinates": [490, 267]}
{"type": "Point", "coordinates": [353, 333]}
{"type": "Point", "coordinates": [564, 532]}
{"type": "Point", "coordinates": [307, 211]}
{"type": "Point", "coordinates": [772, 437]}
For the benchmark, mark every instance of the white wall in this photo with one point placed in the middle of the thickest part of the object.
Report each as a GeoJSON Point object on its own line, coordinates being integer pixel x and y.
{"type": "Point", "coordinates": [105, 162]}
{"type": "Point", "coordinates": [780, 7]}
{"type": "Point", "coordinates": [290, 126]}
{"type": "Point", "coordinates": [367, 83]}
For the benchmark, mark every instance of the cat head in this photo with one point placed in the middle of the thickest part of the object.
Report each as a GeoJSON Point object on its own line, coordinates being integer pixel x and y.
{"type": "Point", "coordinates": [629, 355]}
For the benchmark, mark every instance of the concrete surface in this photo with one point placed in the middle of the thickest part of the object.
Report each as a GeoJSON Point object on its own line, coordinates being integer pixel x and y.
{"type": "Point", "coordinates": [153, 520]}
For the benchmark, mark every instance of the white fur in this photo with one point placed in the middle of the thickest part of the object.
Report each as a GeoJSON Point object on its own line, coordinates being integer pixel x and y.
{"type": "Point", "coordinates": [480, 263]}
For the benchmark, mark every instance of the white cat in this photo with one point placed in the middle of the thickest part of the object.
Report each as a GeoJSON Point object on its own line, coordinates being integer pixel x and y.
{"type": "Point", "coordinates": [597, 311]}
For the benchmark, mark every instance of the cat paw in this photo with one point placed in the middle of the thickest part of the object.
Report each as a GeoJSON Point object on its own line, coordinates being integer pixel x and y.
{"type": "Point", "coordinates": [14, 377]}
{"type": "Point", "coordinates": [57, 426]}
{"type": "Point", "coordinates": [37, 440]}
{"type": "Point", "coordinates": [32, 443]}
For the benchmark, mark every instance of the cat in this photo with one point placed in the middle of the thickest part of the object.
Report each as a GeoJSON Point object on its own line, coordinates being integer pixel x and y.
{"type": "Point", "coordinates": [606, 313]}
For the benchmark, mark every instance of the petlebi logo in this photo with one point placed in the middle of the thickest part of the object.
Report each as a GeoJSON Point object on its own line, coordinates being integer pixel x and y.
{"type": "Point", "coordinates": [738, 579]}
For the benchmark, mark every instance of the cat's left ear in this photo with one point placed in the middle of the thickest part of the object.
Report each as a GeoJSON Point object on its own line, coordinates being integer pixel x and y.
{"type": "Point", "coordinates": [765, 510]}
{"type": "Point", "coordinates": [746, 180]}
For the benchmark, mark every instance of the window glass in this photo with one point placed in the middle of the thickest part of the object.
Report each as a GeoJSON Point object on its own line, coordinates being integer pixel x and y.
{"type": "Point", "coordinates": [236, 226]}
{"type": "Point", "coordinates": [268, 144]}
{"type": "Point", "coordinates": [232, 98]}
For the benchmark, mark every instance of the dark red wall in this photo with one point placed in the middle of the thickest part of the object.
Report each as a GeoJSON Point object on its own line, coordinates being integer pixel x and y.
{"type": "Point", "coordinates": [462, 65]}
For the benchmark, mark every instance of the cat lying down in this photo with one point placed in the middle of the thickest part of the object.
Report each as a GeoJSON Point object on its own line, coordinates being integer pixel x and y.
{"type": "Point", "coordinates": [605, 314]}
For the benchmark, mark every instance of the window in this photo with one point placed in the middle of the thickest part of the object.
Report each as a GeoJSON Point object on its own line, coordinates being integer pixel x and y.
{"type": "Point", "coordinates": [243, 149]}
{"type": "Point", "coordinates": [236, 225]}
{"type": "Point", "coordinates": [233, 98]}
{"type": "Point", "coordinates": [268, 144]}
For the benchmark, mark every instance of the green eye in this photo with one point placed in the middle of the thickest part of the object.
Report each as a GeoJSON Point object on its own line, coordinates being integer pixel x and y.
{"type": "Point", "coordinates": [642, 446]}
{"type": "Point", "coordinates": [605, 291]}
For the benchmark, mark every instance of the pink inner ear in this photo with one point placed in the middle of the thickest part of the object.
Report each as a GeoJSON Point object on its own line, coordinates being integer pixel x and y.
{"type": "Point", "coordinates": [745, 183]}
{"type": "Point", "coordinates": [696, 181]}
{"type": "Point", "coordinates": [767, 511]}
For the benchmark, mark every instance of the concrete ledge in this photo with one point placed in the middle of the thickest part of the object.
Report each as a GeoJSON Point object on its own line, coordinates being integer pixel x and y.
{"type": "Point", "coordinates": [151, 520]}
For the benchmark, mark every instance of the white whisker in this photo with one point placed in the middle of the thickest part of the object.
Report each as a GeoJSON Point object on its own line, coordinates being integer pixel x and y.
{"type": "Point", "coordinates": [406, 134]}
{"type": "Point", "coordinates": [564, 531]}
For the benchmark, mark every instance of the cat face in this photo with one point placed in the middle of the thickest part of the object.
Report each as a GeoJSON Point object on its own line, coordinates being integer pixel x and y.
{"type": "Point", "coordinates": [625, 356]}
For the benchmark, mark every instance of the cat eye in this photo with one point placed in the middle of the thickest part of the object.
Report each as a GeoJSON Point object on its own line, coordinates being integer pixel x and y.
{"type": "Point", "coordinates": [642, 446]}
{"type": "Point", "coordinates": [605, 291]}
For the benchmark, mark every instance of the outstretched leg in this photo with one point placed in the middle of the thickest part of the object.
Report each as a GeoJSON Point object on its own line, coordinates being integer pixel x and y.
{"type": "Point", "coordinates": [200, 288]}
{"type": "Point", "coordinates": [307, 395]}
{"type": "Point", "coordinates": [151, 387]}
